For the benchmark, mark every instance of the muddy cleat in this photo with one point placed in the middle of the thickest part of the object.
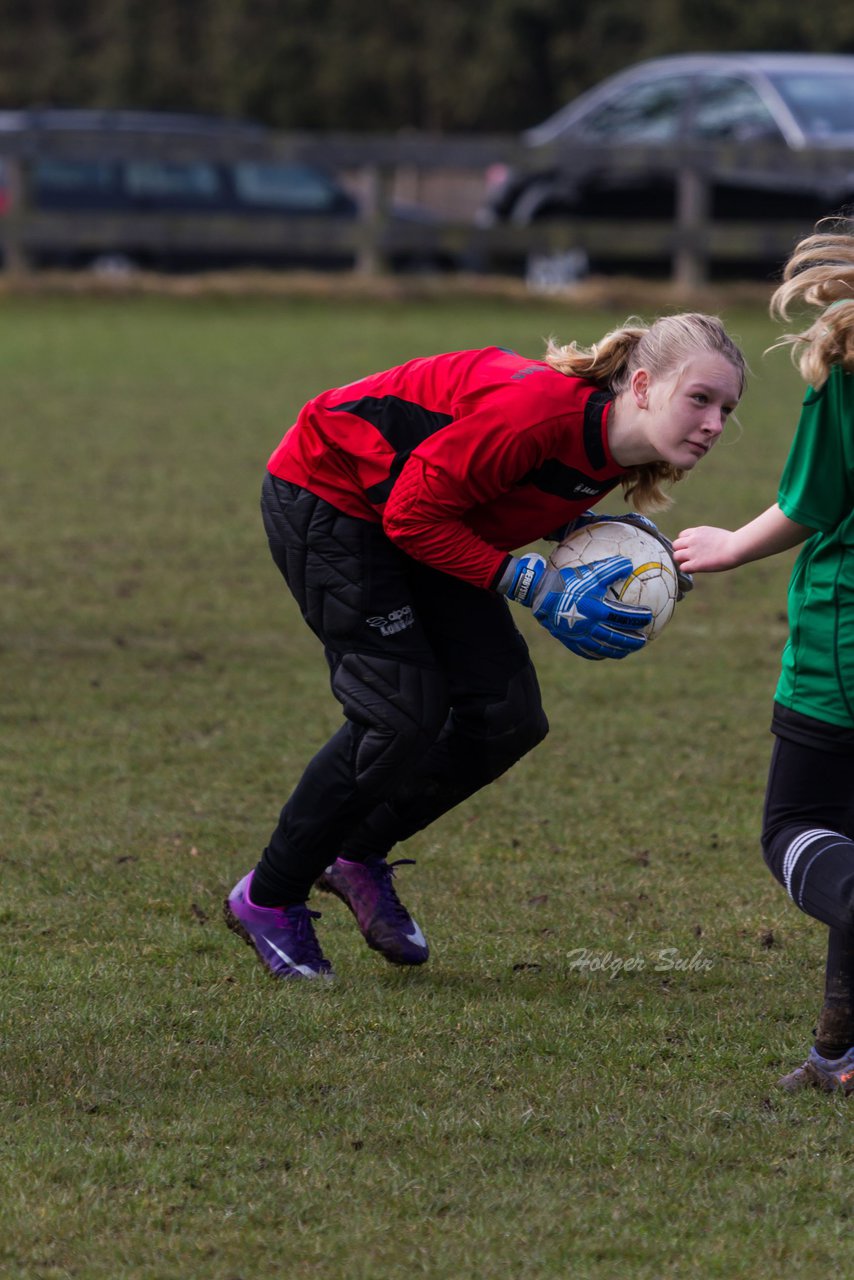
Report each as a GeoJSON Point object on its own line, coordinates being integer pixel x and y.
{"type": "Point", "coordinates": [367, 889]}
{"type": "Point", "coordinates": [827, 1074]}
{"type": "Point", "coordinates": [283, 937]}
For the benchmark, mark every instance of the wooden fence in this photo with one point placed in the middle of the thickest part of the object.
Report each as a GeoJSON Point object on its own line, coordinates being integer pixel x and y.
{"type": "Point", "coordinates": [690, 241]}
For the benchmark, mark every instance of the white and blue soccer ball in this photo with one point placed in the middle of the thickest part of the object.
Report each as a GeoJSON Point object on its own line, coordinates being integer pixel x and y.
{"type": "Point", "coordinates": [652, 582]}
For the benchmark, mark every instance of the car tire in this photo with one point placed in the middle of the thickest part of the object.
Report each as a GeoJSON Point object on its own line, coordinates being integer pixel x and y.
{"type": "Point", "coordinates": [532, 201]}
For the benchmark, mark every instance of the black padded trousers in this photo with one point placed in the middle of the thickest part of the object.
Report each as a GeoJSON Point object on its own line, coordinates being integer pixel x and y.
{"type": "Point", "coordinates": [437, 687]}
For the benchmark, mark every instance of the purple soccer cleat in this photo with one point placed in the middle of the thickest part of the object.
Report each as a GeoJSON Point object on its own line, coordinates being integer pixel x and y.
{"type": "Point", "coordinates": [831, 1075]}
{"type": "Point", "coordinates": [367, 889]}
{"type": "Point", "coordinates": [283, 937]}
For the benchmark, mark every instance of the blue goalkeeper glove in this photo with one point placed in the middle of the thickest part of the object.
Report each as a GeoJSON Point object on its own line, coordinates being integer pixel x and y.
{"type": "Point", "coordinates": [571, 604]}
{"type": "Point", "coordinates": [684, 581]}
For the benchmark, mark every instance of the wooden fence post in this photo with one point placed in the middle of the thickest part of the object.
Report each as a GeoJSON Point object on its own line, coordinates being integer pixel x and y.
{"type": "Point", "coordinates": [690, 258]}
{"type": "Point", "coordinates": [376, 186]}
{"type": "Point", "coordinates": [15, 259]}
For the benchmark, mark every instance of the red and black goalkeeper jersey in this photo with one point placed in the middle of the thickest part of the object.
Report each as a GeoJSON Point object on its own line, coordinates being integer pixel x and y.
{"type": "Point", "coordinates": [462, 457]}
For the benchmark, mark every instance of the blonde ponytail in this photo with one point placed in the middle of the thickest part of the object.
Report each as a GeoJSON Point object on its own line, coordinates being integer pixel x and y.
{"type": "Point", "coordinates": [820, 273]}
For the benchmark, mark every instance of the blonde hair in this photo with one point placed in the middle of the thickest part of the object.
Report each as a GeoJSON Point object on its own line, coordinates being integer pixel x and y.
{"type": "Point", "coordinates": [663, 348]}
{"type": "Point", "coordinates": [820, 273]}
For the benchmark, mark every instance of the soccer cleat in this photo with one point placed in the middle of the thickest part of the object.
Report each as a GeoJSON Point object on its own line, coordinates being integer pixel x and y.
{"type": "Point", "coordinates": [367, 889]}
{"type": "Point", "coordinates": [827, 1074]}
{"type": "Point", "coordinates": [283, 937]}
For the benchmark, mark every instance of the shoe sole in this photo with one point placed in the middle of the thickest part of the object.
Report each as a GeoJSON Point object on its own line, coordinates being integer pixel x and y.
{"type": "Point", "coordinates": [325, 887]}
{"type": "Point", "coordinates": [236, 926]}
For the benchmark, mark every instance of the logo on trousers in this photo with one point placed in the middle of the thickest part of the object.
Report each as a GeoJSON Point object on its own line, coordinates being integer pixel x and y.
{"type": "Point", "coordinates": [396, 620]}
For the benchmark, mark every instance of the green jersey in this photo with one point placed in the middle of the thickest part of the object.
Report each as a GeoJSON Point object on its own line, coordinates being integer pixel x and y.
{"type": "Point", "coordinates": [817, 489]}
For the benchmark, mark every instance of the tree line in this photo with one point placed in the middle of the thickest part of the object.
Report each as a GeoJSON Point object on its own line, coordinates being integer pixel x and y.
{"type": "Point", "coordinates": [378, 65]}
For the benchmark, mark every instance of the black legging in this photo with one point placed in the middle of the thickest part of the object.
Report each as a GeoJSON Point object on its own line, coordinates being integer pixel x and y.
{"type": "Point", "coordinates": [808, 829]}
{"type": "Point", "coordinates": [806, 839]}
{"type": "Point", "coordinates": [437, 686]}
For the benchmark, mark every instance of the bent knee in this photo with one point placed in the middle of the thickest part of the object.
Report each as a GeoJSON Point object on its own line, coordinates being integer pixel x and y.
{"type": "Point", "coordinates": [531, 731]}
{"type": "Point", "coordinates": [394, 700]}
{"type": "Point", "coordinates": [515, 723]}
{"type": "Point", "coordinates": [815, 865]}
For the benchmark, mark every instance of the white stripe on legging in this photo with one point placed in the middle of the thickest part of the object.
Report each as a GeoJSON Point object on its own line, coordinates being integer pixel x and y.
{"type": "Point", "coordinates": [797, 847]}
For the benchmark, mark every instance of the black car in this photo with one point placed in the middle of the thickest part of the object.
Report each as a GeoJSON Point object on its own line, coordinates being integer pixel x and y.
{"type": "Point", "coordinates": [758, 108]}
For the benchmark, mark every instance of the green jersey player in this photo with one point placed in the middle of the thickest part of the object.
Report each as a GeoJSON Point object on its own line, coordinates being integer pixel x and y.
{"type": "Point", "coordinates": [808, 827]}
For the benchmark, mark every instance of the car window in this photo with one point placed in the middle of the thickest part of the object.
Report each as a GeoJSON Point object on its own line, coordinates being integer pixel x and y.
{"type": "Point", "coordinates": [728, 107]}
{"type": "Point", "coordinates": [647, 112]}
{"type": "Point", "coordinates": [196, 181]}
{"type": "Point", "coordinates": [74, 177]}
{"type": "Point", "coordinates": [823, 105]}
{"type": "Point", "coordinates": [284, 186]}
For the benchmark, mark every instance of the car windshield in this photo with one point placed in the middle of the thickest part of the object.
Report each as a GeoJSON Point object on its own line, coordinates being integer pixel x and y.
{"type": "Point", "coordinates": [647, 112]}
{"type": "Point", "coordinates": [823, 105]}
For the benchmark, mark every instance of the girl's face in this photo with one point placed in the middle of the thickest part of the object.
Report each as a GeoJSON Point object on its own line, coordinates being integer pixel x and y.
{"type": "Point", "coordinates": [682, 415]}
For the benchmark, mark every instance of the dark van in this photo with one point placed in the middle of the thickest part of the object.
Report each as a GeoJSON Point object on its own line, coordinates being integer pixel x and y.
{"type": "Point", "coordinates": [167, 192]}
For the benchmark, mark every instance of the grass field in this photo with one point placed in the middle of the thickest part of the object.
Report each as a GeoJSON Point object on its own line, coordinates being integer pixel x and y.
{"type": "Point", "coordinates": [580, 1083]}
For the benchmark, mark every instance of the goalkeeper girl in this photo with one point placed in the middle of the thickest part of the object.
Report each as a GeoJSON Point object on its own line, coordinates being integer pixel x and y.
{"type": "Point", "coordinates": [808, 824]}
{"type": "Point", "coordinates": [392, 507]}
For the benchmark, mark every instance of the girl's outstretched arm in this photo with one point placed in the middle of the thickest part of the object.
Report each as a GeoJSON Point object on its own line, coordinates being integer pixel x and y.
{"type": "Point", "coordinates": [709, 550]}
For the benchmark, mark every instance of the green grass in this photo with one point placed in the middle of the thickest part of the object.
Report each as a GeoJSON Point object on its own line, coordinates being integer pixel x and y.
{"type": "Point", "coordinates": [167, 1111]}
